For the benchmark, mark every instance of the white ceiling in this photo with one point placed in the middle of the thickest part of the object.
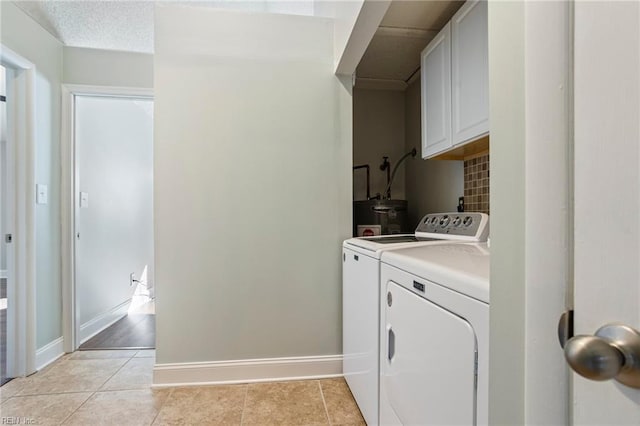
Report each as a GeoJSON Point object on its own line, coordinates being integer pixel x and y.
{"type": "Point", "coordinates": [115, 25]}
{"type": "Point", "coordinates": [393, 56]}
{"type": "Point", "coordinates": [125, 24]}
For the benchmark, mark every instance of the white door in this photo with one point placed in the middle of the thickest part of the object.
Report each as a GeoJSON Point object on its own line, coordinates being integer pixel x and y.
{"type": "Point", "coordinates": [6, 219]}
{"type": "Point", "coordinates": [607, 193]}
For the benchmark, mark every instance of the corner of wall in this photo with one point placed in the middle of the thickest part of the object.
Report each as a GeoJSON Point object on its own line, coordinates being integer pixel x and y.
{"type": "Point", "coordinates": [507, 111]}
{"type": "Point", "coordinates": [27, 38]}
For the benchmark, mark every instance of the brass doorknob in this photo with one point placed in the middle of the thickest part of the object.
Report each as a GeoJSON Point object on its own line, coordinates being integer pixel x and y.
{"type": "Point", "coordinates": [613, 353]}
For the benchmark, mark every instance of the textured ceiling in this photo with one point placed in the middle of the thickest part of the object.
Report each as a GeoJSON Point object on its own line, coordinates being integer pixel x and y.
{"type": "Point", "coordinates": [114, 25]}
{"type": "Point", "coordinates": [128, 25]}
{"type": "Point", "coordinates": [393, 54]}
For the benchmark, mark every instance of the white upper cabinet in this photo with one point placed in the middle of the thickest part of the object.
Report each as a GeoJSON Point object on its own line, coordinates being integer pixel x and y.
{"type": "Point", "coordinates": [455, 82]}
{"type": "Point", "coordinates": [469, 72]}
{"type": "Point", "coordinates": [436, 94]}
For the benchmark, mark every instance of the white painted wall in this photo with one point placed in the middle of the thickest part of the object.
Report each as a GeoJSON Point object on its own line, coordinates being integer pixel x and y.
{"type": "Point", "coordinates": [114, 148]}
{"type": "Point", "coordinates": [21, 34]}
{"type": "Point", "coordinates": [529, 51]}
{"type": "Point", "coordinates": [344, 14]}
{"type": "Point", "coordinates": [252, 185]}
{"type": "Point", "coordinates": [378, 130]}
{"type": "Point", "coordinates": [432, 186]}
{"type": "Point", "coordinates": [3, 168]}
{"type": "Point", "coordinates": [289, 7]}
{"type": "Point", "coordinates": [107, 68]}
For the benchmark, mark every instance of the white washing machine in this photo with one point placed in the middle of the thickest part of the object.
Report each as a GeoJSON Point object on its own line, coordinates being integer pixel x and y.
{"type": "Point", "coordinates": [361, 295]}
{"type": "Point", "coordinates": [434, 333]}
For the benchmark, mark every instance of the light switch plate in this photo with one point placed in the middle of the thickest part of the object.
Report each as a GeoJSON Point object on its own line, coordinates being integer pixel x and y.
{"type": "Point", "coordinates": [84, 200]}
{"type": "Point", "coordinates": [42, 194]}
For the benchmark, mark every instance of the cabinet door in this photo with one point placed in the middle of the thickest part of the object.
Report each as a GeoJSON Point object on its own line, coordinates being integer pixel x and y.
{"type": "Point", "coordinates": [470, 72]}
{"type": "Point", "coordinates": [436, 94]}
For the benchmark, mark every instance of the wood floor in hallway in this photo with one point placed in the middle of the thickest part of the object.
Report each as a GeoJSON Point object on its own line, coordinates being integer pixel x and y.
{"type": "Point", "coordinates": [134, 331]}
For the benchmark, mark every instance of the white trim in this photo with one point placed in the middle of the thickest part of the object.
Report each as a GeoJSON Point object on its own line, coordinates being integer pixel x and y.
{"type": "Point", "coordinates": [70, 318]}
{"type": "Point", "coordinates": [49, 353]}
{"type": "Point", "coordinates": [102, 321]}
{"type": "Point", "coordinates": [89, 90]}
{"type": "Point", "coordinates": [3, 273]}
{"type": "Point", "coordinates": [530, 102]}
{"type": "Point", "coordinates": [21, 285]}
{"type": "Point", "coordinates": [71, 327]}
{"type": "Point", "coordinates": [247, 371]}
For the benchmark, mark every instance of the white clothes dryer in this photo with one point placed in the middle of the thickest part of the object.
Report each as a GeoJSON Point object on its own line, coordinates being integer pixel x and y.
{"type": "Point", "coordinates": [434, 333]}
{"type": "Point", "coordinates": [361, 295]}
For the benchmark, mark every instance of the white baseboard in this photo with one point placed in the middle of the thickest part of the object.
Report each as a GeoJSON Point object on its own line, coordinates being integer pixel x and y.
{"type": "Point", "coordinates": [247, 371]}
{"type": "Point", "coordinates": [49, 353]}
{"type": "Point", "coordinates": [102, 321]}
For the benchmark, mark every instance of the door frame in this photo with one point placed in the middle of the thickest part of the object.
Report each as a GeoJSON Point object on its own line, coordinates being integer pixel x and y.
{"type": "Point", "coordinates": [21, 285]}
{"type": "Point", "coordinates": [531, 109]}
{"type": "Point", "coordinates": [70, 197]}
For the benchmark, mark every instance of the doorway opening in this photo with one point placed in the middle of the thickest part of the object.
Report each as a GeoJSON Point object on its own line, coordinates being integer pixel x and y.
{"type": "Point", "coordinates": [111, 197]}
{"type": "Point", "coordinates": [17, 215]}
{"type": "Point", "coordinates": [4, 212]}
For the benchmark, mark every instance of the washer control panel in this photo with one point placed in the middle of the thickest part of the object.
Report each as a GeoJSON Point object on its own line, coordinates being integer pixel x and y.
{"type": "Point", "coordinates": [467, 226]}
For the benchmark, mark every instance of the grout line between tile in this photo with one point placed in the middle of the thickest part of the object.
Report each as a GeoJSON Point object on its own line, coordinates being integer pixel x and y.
{"type": "Point", "coordinates": [93, 393]}
{"type": "Point", "coordinates": [116, 372]}
{"type": "Point", "coordinates": [326, 410]}
{"type": "Point", "coordinates": [77, 408]}
{"type": "Point", "coordinates": [162, 405]}
{"type": "Point", "coordinates": [244, 405]}
{"type": "Point", "coordinates": [54, 393]}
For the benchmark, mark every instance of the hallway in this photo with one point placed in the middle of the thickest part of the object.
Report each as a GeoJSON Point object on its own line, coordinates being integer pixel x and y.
{"type": "Point", "coordinates": [136, 330]}
{"type": "Point", "coordinates": [113, 388]}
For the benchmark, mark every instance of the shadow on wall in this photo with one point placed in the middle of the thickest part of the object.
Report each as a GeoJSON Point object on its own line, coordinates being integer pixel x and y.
{"type": "Point", "coordinates": [432, 186]}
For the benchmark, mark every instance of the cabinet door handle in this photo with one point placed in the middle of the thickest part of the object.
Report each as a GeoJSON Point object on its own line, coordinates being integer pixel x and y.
{"type": "Point", "coordinates": [391, 345]}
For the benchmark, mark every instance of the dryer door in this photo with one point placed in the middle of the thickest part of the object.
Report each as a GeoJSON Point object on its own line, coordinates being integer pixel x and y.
{"type": "Point", "coordinates": [429, 372]}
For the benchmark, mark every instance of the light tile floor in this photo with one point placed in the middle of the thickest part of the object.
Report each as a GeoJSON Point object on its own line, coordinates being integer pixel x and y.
{"type": "Point", "coordinates": [113, 388]}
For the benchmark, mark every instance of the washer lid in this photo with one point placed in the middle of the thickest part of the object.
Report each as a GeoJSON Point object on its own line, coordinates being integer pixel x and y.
{"type": "Point", "coordinates": [375, 245]}
{"type": "Point", "coordinates": [461, 267]}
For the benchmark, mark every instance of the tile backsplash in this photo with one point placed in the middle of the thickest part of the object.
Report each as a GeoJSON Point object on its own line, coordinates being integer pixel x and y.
{"type": "Point", "coordinates": [476, 184]}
